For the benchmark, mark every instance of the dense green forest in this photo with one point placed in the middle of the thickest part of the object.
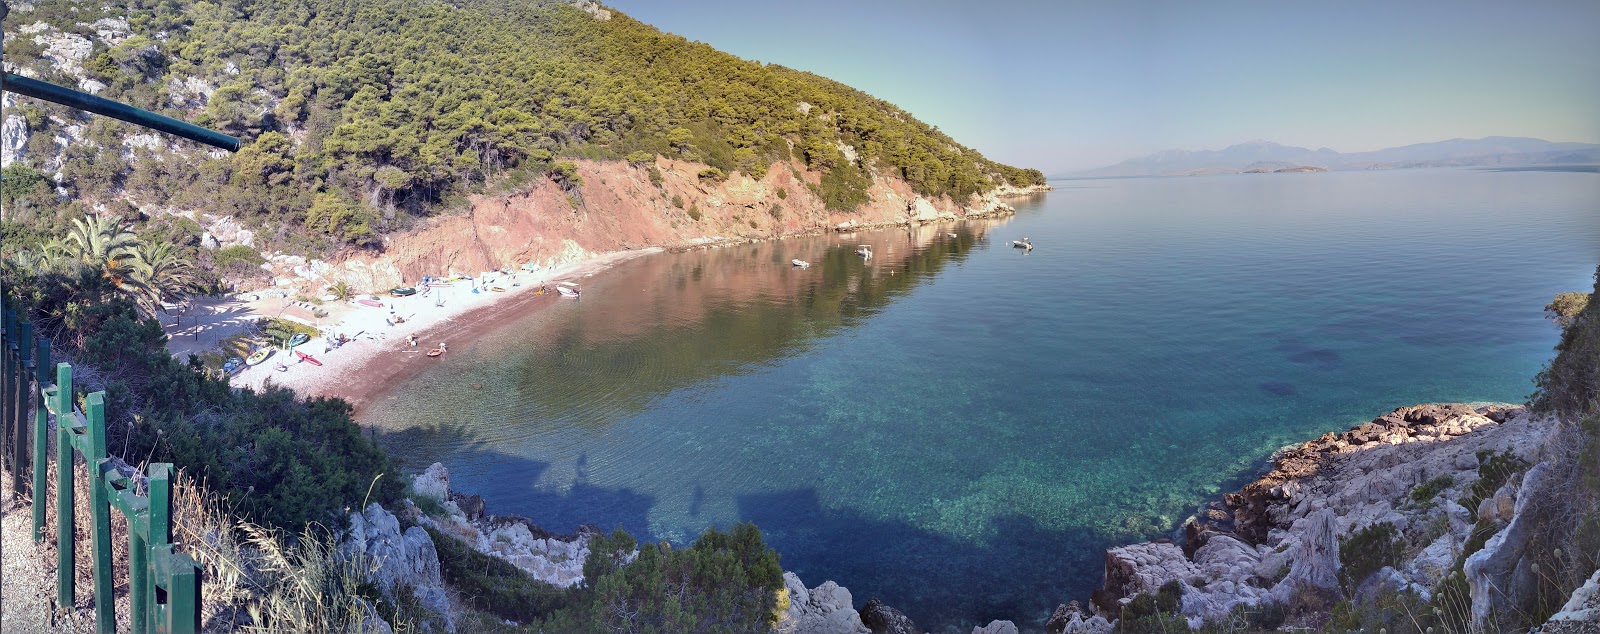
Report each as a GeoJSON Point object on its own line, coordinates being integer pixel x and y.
{"type": "Point", "coordinates": [360, 115]}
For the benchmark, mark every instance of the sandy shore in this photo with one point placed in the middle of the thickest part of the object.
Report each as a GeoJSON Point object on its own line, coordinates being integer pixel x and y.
{"type": "Point", "coordinates": [378, 353]}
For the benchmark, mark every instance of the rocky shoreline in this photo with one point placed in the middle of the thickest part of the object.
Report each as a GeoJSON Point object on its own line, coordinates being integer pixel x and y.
{"type": "Point", "coordinates": [1274, 542]}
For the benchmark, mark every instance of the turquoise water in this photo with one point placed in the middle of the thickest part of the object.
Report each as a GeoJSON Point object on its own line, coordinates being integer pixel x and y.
{"type": "Point", "coordinates": [960, 428]}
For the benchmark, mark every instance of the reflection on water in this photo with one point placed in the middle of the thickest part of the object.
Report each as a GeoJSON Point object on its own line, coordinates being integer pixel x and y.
{"type": "Point", "coordinates": [958, 427]}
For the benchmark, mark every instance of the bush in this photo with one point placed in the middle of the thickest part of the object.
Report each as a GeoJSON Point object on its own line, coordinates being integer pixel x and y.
{"type": "Point", "coordinates": [1424, 493]}
{"type": "Point", "coordinates": [783, 194]}
{"type": "Point", "coordinates": [844, 188]}
{"type": "Point", "coordinates": [237, 260]}
{"type": "Point", "coordinates": [677, 201]}
{"type": "Point", "coordinates": [641, 157]}
{"type": "Point", "coordinates": [1368, 551]}
{"type": "Point", "coordinates": [776, 211]}
{"type": "Point", "coordinates": [494, 585]}
{"type": "Point", "coordinates": [1570, 385]}
{"type": "Point", "coordinates": [694, 212]}
{"type": "Point", "coordinates": [1493, 472]}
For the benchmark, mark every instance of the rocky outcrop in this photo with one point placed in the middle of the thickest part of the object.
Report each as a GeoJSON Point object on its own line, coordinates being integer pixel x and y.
{"type": "Point", "coordinates": [553, 559]}
{"type": "Point", "coordinates": [882, 619]}
{"type": "Point", "coordinates": [1281, 534]}
{"type": "Point", "coordinates": [1070, 619]}
{"type": "Point", "coordinates": [1580, 614]}
{"type": "Point", "coordinates": [996, 627]}
{"type": "Point", "coordinates": [1501, 575]}
{"type": "Point", "coordinates": [825, 609]}
{"type": "Point", "coordinates": [399, 560]}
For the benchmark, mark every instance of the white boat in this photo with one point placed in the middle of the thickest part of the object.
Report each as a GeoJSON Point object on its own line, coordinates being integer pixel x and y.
{"type": "Point", "coordinates": [952, 235]}
{"type": "Point", "coordinates": [1022, 244]}
{"type": "Point", "coordinates": [567, 289]}
{"type": "Point", "coordinates": [800, 263]}
{"type": "Point", "coordinates": [864, 250]}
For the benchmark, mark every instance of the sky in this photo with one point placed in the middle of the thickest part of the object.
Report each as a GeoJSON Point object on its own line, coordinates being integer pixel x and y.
{"type": "Point", "coordinates": [1062, 86]}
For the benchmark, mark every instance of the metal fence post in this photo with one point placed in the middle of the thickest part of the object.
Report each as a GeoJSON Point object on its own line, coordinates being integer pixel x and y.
{"type": "Point", "coordinates": [159, 488]}
{"type": "Point", "coordinates": [65, 549]}
{"type": "Point", "coordinates": [41, 439]}
{"type": "Point", "coordinates": [105, 614]}
{"type": "Point", "coordinates": [23, 371]}
{"type": "Point", "coordinates": [8, 328]}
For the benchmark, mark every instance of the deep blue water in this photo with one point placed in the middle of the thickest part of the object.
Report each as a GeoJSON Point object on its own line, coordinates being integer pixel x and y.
{"type": "Point", "coordinates": [960, 428]}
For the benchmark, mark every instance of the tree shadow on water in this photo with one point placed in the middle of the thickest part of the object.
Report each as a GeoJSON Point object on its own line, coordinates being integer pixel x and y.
{"type": "Point", "coordinates": [943, 583]}
{"type": "Point", "coordinates": [507, 482]}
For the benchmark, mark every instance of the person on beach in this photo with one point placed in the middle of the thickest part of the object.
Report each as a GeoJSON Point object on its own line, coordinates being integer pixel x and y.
{"type": "Point", "coordinates": [411, 339]}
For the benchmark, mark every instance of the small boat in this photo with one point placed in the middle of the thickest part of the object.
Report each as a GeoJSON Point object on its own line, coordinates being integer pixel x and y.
{"type": "Point", "coordinates": [403, 291]}
{"type": "Point", "coordinates": [952, 235]}
{"type": "Point", "coordinates": [236, 361]}
{"type": "Point", "coordinates": [370, 302]}
{"type": "Point", "coordinates": [258, 356]}
{"type": "Point", "coordinates": [436, 352]}
{"type": "Point", "coordinates": [498, 289]}
{"type": "Point", "coordinates": [298, 339]}
{"type": "Point", "coordinates": [1022, 244]}
{"type": "Point", "coordinates": [567, 291]}
{"type": "Point", "coordinates": [229, 367]}
{"type": "Point", "coordinates": [800, 263]}
{"type": "Point", "coordinates": [307, 358]}
{"type": "Point", "coordinates": [864, 250]}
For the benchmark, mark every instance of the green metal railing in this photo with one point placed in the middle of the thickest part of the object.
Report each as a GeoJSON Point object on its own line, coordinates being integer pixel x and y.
{"type": "Point", "coordinates": [164, 586]}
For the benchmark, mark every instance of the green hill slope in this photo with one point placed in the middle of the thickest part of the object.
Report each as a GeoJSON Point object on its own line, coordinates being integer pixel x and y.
{"type": "Point", "coordinates": [365, 113]}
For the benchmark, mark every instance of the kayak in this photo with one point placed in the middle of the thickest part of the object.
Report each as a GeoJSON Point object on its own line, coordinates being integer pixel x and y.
{"type": "Point", "coordinates": [298, 339]}
{"type": "Point", "coordinates": [308, 358]}
{"type": "Point", "coordinates": [258, 356]}
{"type": "Point", "coordinates": [404, 291]}
{"type": "Point", "coordinates": [498, 289]}
{"type": "Point", "coordinates": [370, 302]}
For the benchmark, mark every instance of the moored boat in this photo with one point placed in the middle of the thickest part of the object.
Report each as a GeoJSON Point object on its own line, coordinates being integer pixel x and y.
{"type": "Point", "coordinates": [1022, 244]}
{"type": "Point", "coordinates": [298, 339]}
{"type": "Point", "coordinates": [258, 356]}
{"type": "Point", "coordinates": [800, 263]}
{"type": "Point", "coordinates": [864, 250]}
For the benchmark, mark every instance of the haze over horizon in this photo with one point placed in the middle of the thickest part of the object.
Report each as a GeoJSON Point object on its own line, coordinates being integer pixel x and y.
{"type": "Point", "coordinates": [1078, 86]}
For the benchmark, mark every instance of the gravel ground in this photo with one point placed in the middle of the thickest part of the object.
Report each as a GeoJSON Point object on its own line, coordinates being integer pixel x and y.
{"type": "Point", "coordinates": [29, 578]}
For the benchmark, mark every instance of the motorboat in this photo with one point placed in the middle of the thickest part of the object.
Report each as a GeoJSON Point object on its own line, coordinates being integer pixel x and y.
{"type": "Point", "coordinates": [800, 263]}
{"type": "Point", "coordinates": [864, 250]}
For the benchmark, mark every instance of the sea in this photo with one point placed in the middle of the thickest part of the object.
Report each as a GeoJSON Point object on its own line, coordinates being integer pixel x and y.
{"type": "Point", "coordinates": [960, 427]}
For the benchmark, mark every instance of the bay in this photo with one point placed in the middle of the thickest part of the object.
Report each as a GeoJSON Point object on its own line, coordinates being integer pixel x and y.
{"type": "Point", "coordinates": [960, 427]}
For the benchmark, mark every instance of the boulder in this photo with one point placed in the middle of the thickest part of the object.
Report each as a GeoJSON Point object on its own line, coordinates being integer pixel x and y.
{"type": "Point", "coordinates": [882, 619]}
{"type": "Point", "coordinates": [1500, 576]}
{"type": "Point", "coordinates": [996, 627]}
{"type": "Point", "coordinates": [1070, 619]}
{"type": "Point", "coordinates": [433, 483]}
{"type": "Point", "coordinates": [1315, 562]}
{"type": "Point", "coordinates": [398, 559]}
{"type": "Point", "coordinates": [1140, 568]}
{"type": "Point", "coordinates": [826, 609]}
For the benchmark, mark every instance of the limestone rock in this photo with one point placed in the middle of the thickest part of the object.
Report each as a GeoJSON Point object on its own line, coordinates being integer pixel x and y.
{"type": "Point", "coordinates": [1141, 568]}
{"type": "Point", "coordinates": [433, 483]}
{"type": "Point", "coordinates": [13, 138]}
{"type": "Point", "coordinates": [398, 559]}
{"type": "Point", "coordinates": [1316, 557]}
{"type": "Point", "coordinates": [996, 627]}
{"type": "Point", "coordinates": [1498, 574]}
{"type": "Point", "coordinates": [1070, 619]}
{"type": "Point", "coordinates": [1581, 613]}
{"type": "Point", "coordinates": [826, 609]}
{"type": "Point", "coordinates": [882, 619]}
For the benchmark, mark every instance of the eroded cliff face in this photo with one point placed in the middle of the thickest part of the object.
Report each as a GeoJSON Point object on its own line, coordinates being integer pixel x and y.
{"type": "Point", "coordinates": [618, 206]}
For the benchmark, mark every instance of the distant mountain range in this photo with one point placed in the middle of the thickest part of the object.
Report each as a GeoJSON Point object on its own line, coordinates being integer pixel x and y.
{"type": "Point", "coordinates": [1266, 156]}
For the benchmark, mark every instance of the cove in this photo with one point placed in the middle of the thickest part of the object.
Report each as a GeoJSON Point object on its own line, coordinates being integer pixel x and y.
{"type": "Point", "coordinates": [959, 427]}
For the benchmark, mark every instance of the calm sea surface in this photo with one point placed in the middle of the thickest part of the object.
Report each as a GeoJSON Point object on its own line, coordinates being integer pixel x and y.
{"type": "Point", "coordinates": [959, 427]}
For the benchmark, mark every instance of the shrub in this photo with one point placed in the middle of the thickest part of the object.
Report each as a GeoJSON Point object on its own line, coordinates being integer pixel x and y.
{"type": "Point", "coordinates": [641, 157]}
{"type": "Point", "coordinates": [677, 201]}
{"type": "Point", "coordinates": [1570, 384]}
{"type": "Point", "coordinates": [694, 212]}
{"type": "Point", "coordinates": [565, 174]}
{"type": "Point", "coordinates": [783, 194]}
{"type": "Point", "coordinates": [237, 260]}
{"type": "Point", "coordinates": [1493, 472]}
{"type": "Point", "coordinates": [844, 188]}
{"type": "Point", "coordinates": [712, 174]}
{"type": "Point", "coordinates": [1367, 551]}
{"type": "Point", "coordinates": [494, 585]}
{"type": "Point", "coordinates": [776, 211]}
{"type": "Point", "coordinates": [655, 175]}
{"type": "Point", "coordinates": [1424, 493]}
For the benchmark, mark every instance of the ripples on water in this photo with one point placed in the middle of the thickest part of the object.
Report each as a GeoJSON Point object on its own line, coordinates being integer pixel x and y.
{"type": "Point", "coordinates": [958, 427]}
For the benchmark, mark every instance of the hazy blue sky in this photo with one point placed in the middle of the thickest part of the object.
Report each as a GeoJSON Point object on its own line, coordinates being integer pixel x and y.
{"type": "Point", "coordinates": [1067, 85]}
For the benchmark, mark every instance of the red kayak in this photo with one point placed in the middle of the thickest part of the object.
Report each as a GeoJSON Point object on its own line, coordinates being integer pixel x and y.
{"type": "Point", "coordinates": [308, 358]}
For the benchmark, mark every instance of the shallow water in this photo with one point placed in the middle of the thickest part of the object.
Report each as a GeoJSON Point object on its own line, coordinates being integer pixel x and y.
{"type": "Point", "coordinates": [959, 427]}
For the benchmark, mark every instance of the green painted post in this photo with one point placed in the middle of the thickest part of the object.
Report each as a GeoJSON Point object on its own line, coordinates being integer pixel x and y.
{"type": "Point", "coordinates": [23, 369]}
{"type": "Point", "coordinates": [159, 489]}
{"type": "Point", "coordinates": [105, 614]}
{"type": "Point", "coordinates": [8, 328]}
{"type": "Point", "coordinates": [65, 549]}
{"type": "Point", "coordinates": [41, 440]}
{"type": "Point", "coordinates": [178, 610]}
{"type": "Point", "coordinates": [137, 511]}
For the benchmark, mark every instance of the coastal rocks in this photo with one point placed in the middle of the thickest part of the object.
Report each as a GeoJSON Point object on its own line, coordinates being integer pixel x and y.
{"type": "Point", "coordinates": [882, 619]}
{"type": "Point", "coordinates": [1140, 568]}
{"type": "Point", "coordinates": [1315, 563]}
{"type": "Point", "coordinates": [1500, 575]}
{"type": "Point", "coordinates": [1580, 614]}
{"type": "Point", "coordinates": [825, 609]}
{"type": "Point", "coordinates": [996, 627]}
{"type": "Point", "coordinates": [399, 559]}
{"type": "Point", "coordinates": [1070, 619]}
{"type": "Point", "coordinates": [554, 559]}
{"type": "Point", "coordinates": [13, 138]}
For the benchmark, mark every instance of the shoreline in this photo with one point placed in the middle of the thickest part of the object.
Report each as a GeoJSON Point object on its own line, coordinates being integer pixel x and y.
{"type": "Point", "coordinates": [366, 366]}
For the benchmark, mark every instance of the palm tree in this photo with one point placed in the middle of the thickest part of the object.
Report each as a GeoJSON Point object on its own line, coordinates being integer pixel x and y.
{"type": "Point", "coordinates": [164, 274]}
{"type": "Point", "coordinates": [107, 244]}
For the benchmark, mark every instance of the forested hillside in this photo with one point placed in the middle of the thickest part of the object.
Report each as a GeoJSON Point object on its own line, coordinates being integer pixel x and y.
{"type": "Point", "coordinates": [360, 115]}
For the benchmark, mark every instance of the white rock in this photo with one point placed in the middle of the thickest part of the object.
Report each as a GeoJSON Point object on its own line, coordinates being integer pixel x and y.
{"type": "Point", "coordinates": [996, 627]}
{"type": "Point", "coordinates": [433, 483]}
{"type": "Point", "coordinates": [826, 609]}
{"type": "Point", "coordinates": [13, 138]}
{"type": "Point", "coordinates": [1490, 571]}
